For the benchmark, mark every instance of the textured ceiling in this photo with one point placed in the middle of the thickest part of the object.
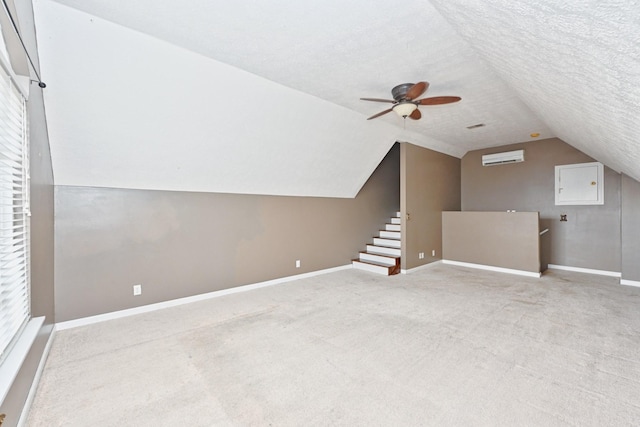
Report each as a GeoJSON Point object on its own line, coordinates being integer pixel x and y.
{"type": "Point", "coordinates": [576, 64]}
{"type": "Point", "coordinates": [519, 66]}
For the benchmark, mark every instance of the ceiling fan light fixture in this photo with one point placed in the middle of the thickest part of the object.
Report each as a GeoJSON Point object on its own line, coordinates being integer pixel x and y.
{"type": "Point", "coordinates": [405, 109]}
{"type": "Point", "coordinates": [405, 102]}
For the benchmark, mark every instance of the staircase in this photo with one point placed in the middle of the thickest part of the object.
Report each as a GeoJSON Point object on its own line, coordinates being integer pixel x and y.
{"type": "Point", "coordinates": [383, 256]}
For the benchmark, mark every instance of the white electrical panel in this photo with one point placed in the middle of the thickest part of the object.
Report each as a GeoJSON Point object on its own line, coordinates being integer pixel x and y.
{"type": "Point", "coordinates": [580, 184]}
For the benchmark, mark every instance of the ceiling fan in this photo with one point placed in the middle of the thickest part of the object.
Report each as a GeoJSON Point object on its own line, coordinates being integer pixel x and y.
{"type": "Point", "coordinates": [405, 103]}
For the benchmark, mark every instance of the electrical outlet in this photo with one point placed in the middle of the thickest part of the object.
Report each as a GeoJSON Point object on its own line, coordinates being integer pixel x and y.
{"type": "Point", "coordinates": [137, 290]}
{"type": "Point", "coordinates": [297, 263]}
{"type": "Point", "coordinates": [421, 255]}
{"type": "Point", "coordinates": [433, 252]}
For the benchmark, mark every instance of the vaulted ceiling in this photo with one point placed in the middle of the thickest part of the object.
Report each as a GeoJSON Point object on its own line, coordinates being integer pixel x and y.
{"type": "Point", "coordinates": [263, 97]}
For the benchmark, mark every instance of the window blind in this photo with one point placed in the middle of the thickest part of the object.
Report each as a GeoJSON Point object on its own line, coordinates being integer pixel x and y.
{"type": "Point", "coordinates": [14, 214]}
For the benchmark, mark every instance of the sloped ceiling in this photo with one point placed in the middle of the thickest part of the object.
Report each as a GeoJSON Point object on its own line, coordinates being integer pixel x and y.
{"type": "Point", "coordinates": [263, 97]}
{"type": "Point", "coordinates": [576, 64]}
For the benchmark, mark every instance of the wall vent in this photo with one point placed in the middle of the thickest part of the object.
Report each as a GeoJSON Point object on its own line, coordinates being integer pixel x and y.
{"type": "Point", "coordinates": [503, 158]}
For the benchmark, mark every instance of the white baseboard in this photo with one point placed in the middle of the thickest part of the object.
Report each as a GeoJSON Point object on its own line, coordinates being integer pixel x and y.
{"type": "Point", "coordinates": [186, 300]}
{"type": "Point", "coordinates": [629, 282]}
{"type": "Point", "coordinates": [36, 380]}
{"type": "Point", "coordinates": [420, 267]}
{"type": "Point", "coordinates": [585, 270]}
{"type": "Point", "coordinates": [492, 268]}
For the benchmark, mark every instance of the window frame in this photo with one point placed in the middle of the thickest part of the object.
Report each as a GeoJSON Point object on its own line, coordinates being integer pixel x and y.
{"type": "Point", "coordinates": [15, 286]}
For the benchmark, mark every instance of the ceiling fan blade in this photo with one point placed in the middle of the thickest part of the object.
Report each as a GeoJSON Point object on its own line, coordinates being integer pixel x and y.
{"type": "Point", "coordinates": [416, 90]}
{"type": "Point", "coordinates": [380, 113]}
{"type": "Point", "coordinates": [378, 100]}
{"type": "Point", "coordinates": [439, 100]}
{"type": "Point", "coordinates": [415, 115]}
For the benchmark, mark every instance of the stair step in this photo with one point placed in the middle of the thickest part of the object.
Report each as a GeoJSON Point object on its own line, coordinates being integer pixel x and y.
{"type": "Point", "coordinates": [391, 243]}
{"type": "Point", "coordinates": [392, 227]}
{"type": "Point", "coordinates": [390, 234]}
{"type": "Point", "coordinates": [383, 250]}
{"type": "Point", "coordinates": [377, 258]}
{"type": "Point", "coordinates": [383, 256]}
{"type": "Point", "coordinates": [373, 267]}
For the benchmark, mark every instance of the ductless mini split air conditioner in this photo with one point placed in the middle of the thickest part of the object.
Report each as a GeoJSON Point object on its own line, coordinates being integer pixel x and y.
{"type": "Point", "coordinates": [503, 158]}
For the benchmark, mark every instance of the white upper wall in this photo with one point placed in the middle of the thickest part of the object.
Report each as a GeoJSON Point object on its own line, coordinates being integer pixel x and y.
{"type": "Point", "coordinates": [127, 110]}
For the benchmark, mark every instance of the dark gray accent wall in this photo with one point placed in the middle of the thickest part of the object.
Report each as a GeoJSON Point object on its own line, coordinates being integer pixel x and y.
{"type": "Point", "coordinates": [42, 229]}
{"type": "Point", "coordinates": [590, 238]}
{"type": "Point", "coordinates": [178, 244]}
{"type": "Point", "coordinates": [630, 229]}
{"type": "Point", "coordinates": [430, 184]}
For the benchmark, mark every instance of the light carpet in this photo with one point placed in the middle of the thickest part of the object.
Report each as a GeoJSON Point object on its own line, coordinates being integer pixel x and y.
{"type": "Point", "coordinates": [442, 346]}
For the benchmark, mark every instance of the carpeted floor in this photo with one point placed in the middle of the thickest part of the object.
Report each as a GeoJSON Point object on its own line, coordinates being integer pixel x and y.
{"type": "Point", "coordinates": [442, 346]}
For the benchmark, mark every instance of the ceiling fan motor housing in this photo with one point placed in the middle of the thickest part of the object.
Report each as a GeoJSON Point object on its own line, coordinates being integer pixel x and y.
{"type": "Point", "coordinates": [399, 92]}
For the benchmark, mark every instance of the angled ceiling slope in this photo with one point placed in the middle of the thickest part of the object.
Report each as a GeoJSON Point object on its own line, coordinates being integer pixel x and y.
{"type": "Point", "coordinates": [576, 64]}
{"type": "Point", "coordinates": [127, 110]}
{"type": "Point", "coordinates": [341, 51]}
{"type": "Point", "coordinates": [263, 97]}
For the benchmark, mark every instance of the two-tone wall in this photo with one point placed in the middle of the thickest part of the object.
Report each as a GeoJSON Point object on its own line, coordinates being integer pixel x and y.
{"type": "Point", "coordinates": [179, 244]}
{"type": "Point", "coordinates": [42, 237]}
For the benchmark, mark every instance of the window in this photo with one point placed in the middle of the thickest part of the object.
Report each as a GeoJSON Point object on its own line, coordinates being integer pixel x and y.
{"type": "Point", "coordinates": [14, 214]}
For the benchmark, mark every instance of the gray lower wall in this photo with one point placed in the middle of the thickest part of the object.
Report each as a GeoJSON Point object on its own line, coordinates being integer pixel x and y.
{"type": "Point", "coordinates": [499, 239]}
{"type": "Point", "coordinates": [430, 184]}
{"type": "Point", "coordinates": [42, 229]}
{"type": "Point", "coordinates": [591, 236]}
{"type": "Point", "coordinates": [630, 229]}
{"type": "Point", "coordinates": [178, 244]}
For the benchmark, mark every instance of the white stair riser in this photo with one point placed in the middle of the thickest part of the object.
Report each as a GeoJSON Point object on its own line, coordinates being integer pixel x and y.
{"type": "Point", "coordinates": [392, 227]}
{"type": "Point", "coordinates": [386, 242]}
{"type": "Point", "coordinates": [396, 221]}
{"type": "Point", "coordinates": [383, 251]}
{"type": "Point", "coordinates": [390, 234]}
{"type": "Point", "coordinates": [398, 214]}
{"type": "Point", "coordinates": [373, 268]}
{"type": "Point", "coordinates": [377, 258]}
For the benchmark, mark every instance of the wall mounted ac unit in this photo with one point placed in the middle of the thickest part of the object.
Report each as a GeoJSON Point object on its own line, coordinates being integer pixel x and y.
{"type": "Point", "coordinates": [502, 158]}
